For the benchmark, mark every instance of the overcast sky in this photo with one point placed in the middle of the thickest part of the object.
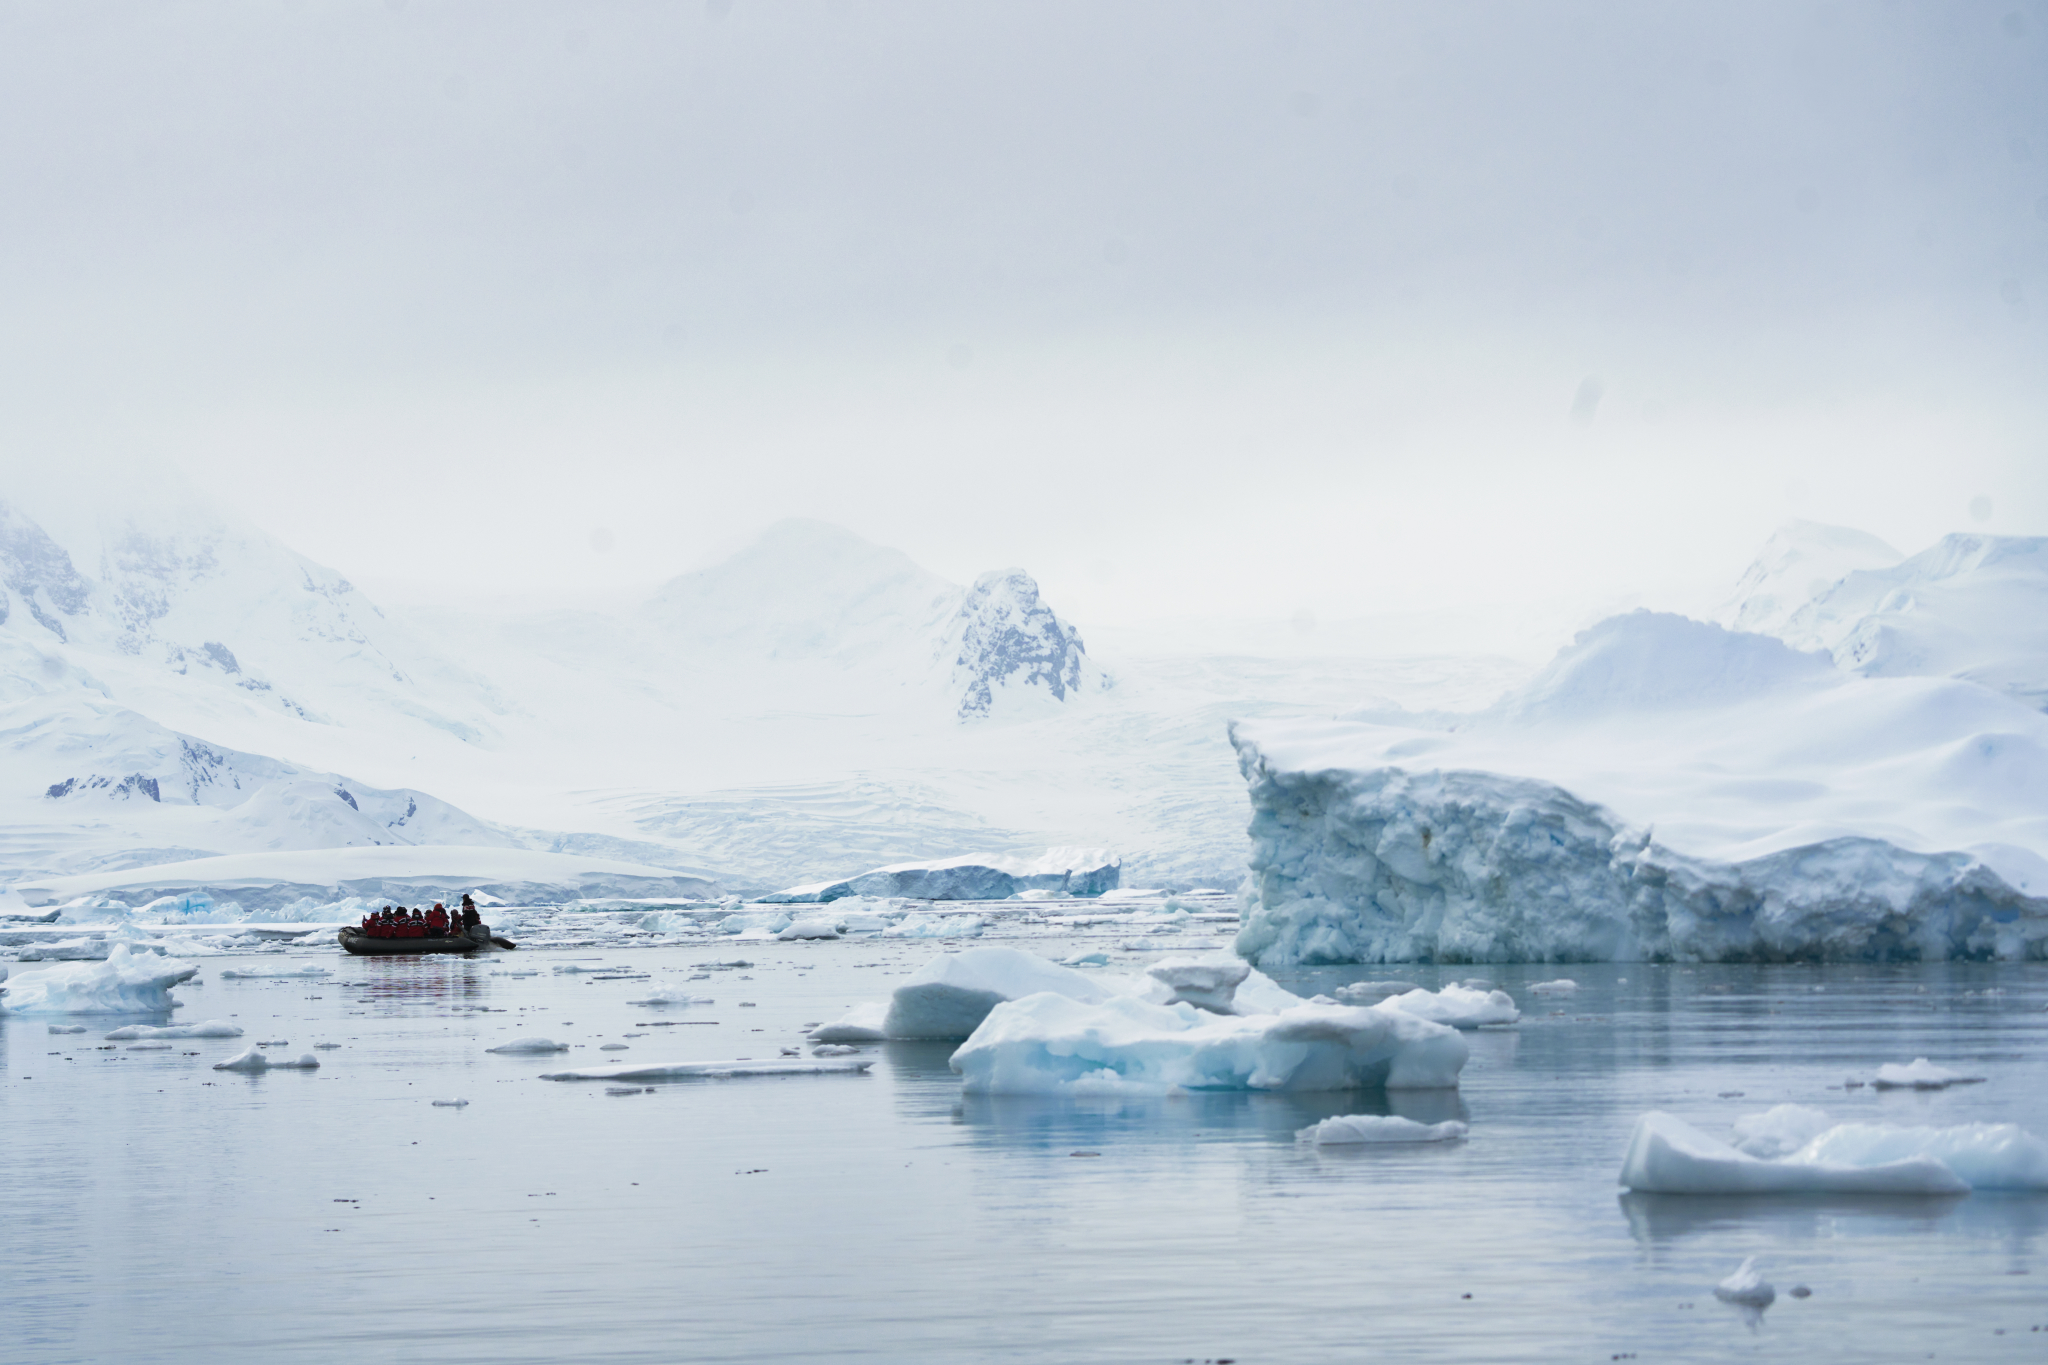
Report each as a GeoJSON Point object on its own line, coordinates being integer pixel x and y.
{"type": "Point", "coordinates": [1188, 308]}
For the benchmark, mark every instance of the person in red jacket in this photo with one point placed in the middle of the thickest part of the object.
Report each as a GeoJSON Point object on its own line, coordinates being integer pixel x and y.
{"type": "Point", "coordinates": [417, 926]}
{"type": "Point", "coordinates": [437, 921]}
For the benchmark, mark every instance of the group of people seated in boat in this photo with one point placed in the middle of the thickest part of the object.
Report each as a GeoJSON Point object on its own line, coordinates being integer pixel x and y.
{"type": "Point", "coordinates": [435, 923]}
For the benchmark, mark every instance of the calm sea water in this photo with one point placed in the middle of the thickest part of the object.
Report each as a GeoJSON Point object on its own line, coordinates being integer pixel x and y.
{"type": "Point", "coordinates": [156, 1210]}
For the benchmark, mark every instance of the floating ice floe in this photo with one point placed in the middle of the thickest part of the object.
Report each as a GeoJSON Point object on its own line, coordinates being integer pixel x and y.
{"type": "Point", "coordinates": [304, 971]}
{"type": "Point", "coordinates": [212, 1028]}
{"type": "Point", "coordinates": [612, 1047]}
{"type": "Point", "coordinates": [1669, 1156]}
{"type": "Point", "coordinates": [809, 928]}
{"type": "Point", "coordinates": [1372, 992]}
{"type": "Point", "coordinates": [1094, 959]}
{"type": "Point", "coordinates": [67, 1028]}
{"type": "Point", "coordinates": [1459, 1006]}
{"type": "Point", "coordinates": [935, 926]}
{"type": "Point", "coordinates": [668, 1071]}
{"type": "Point", "coordinates": [525, 1046]}
{"type": "Point", "coordinates": [833, 1050]}
{"type": "Point", "coordinates": [1920, 1074]}
{"type": "Point", "coordinates": [253, 1059]}
{"type": "Point", "coordinates": [79, 950]}
{"type": "Point", "coordinates": [451, 1104]}
{"type": "Point", "coordinates": [1053, 1044]}
{"type": "Point", "coordinates": [1564, 985]}
{"type": "Point", "coordinates": [755, 923]}
{"type": "Point", "coordinates": [861, 1024]}
{"type": "Point", "coordinates": [128, 982]}
{"type": "Point", "coordinates": [1348, 1129]}
{"type": "Point", "coordinates": [1747, 1287]}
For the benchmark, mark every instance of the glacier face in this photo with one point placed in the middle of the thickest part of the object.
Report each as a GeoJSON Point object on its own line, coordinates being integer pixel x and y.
{"type": "Point", "coordinates": [1665, 790]}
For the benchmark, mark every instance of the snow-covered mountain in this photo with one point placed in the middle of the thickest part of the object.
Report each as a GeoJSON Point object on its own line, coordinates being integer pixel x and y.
{"type": "Point", "coordinates": [203, 621]}
{"type": "Point", "coordinates": [95, 786]}
{"type": "Point", "coordinates": [810, 593]}
{"type": "Point", "coordinates": [1970, 606]}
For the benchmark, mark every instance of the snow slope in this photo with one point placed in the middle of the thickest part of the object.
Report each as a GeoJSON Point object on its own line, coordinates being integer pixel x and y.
{"type": "Point", "coordinates": [1666, 789]}
{"type": "Point", "coordinates": [1970, 606]}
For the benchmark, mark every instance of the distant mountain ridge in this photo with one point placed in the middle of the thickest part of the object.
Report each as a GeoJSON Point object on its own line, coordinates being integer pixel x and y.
{"type": "Point", "coordinates": [810, 591]}
{"type": "Point", "coordinates": [1970, 606]}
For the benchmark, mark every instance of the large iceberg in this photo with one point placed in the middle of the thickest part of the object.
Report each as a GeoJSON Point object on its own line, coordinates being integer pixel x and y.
{"type": "Point", "coordinates": [1664, 790]}
{"type": "Point", "coordinates": [974, 877]}
{"type": "Point", "coordinates": [1052, 1044]}
{"type": "Point", "coordinates": [1667, 1155]}
{"type": "Point", "coordinates": [127, 982]}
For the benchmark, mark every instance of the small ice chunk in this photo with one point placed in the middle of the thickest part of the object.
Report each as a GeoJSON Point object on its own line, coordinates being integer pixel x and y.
{"type": "Point", "coordinates": [273, 973]}
{"type": "Point", "coordinates": [67, 1028]}
{"type": "Point", "coordinates": [671, 995]}
{"type": "Point", "coordinates": [1564, 985]}
{"type": "Point", "coordinates": [212, 1028]}
{"type": "Point", "coordinates": [522, 1046]}
{"type": "Point", "coordinates": [1372, 992]}
{"type": "Point", "coordinates": [1459, 1006]}
{"type": "Point", "coordinates": [325, 1047]}
{"type": "Point", "coordinates": [1920, 1074]}
{"type": "Point", "coordinates": [1747, 1287]}
{"type": "Point", "coordinates": [612, 1047]}
{"type": "Point", "coordinates": [808, 929]}
{"type": "Point", "coordinates": [1345, 1129]}
{"type": "Point", "coordinates": [1207, 983]}
{"type": "Point", "coordinates": [1097, 959]}
{"type": "Point", "coordinates": [253, 1059]}
{"type": "Point", "coordinates": [833, 1050]}
{"type": "Point", "coordinates": [629, 1090]}
{"type": "Point", "coordinates": [451, 1104]}
{"type": "Point", "coordinates": [861, 1024]}
{"type": "Point", "coordinates": [149, 1047]}
{"type": "Point", "coordinates": [1667, 1155]}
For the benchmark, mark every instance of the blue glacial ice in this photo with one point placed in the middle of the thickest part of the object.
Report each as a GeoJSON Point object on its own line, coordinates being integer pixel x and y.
{"type": "Point", "coordinates": [127, 982]}
{"type": "Point", "coordinates": [1666, 1155]}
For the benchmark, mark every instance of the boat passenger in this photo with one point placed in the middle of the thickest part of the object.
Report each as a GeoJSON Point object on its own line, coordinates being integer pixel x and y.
{"type": "Point", "coordinates": [470, 918]}
{"type": "Point", "coordinates": [417, 927]}
{"type": "Point", "coordinates": [437, 921]}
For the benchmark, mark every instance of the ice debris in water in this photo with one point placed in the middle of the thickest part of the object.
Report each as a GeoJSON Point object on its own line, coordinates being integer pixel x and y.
{"type": "Point", "coordinates": [518, 1046]}
{"type": "Point", "coordinates": [325, 1047]}
{"type": "Point", "coordinates": [128, 982]}
{"type": "Point", "coordinates": [1348, 1129]}
{"type": "Point", "coordinates": [67, 1028]}
{"type": "Point", "coordinates": [833, 1050]}
{"type": "Point", "coordinates": [1052, 1044]}
{"type": "Point", "coordinates": [1463, 1006]}
{"type": "Point", "coordinates": [1096, 959]}
{"type": "Point", "coordinates": [1372, 992]}
{"type": "Point", "coordinates": [612, 1047]}
{"type": "Point", "coordinates": [744, 1066]}
{"type": "Point", "coordinates": [629, 1090]}
{"type": "Point", "coordinates": [1669, 1156]}
{"type": "Point", "coordinates": [451, 1104]}
{"type": "Point", "coordinates": [252, 1059]}
{"type": "Point", "coordinates": [1920, 1074]}
{"type": "Point", "coordinates": [1747, 1287]}
{"type": "Point", "coordinates": [212, 1028]}
{"type": "Point", "coordinates": [935, 926]}
{"type": "Point", "coordinates": [1564, 985]}
{"type": "Point", "coordinates": [272, 973]}
{"type": "Point", "coordinates": [671, 995]}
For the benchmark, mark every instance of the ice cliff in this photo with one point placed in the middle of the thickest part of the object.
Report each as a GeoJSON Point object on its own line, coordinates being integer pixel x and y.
{"type": "Point", "coordinates": [1665, 790]}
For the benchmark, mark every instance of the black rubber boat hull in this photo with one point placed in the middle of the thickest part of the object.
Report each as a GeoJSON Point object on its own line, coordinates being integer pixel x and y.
{"type": "Point", "coordinates": [354, 940]}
